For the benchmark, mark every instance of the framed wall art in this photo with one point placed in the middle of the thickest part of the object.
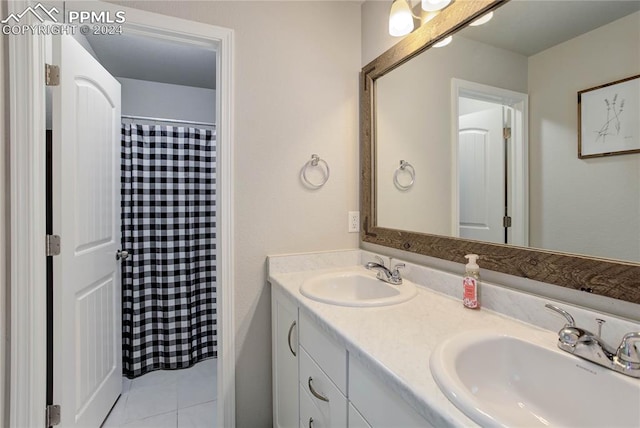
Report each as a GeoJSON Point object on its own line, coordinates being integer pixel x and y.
{"type": "Point", "coordinates": [609, 119]}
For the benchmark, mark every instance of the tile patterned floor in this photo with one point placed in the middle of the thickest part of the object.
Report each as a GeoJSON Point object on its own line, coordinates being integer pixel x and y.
{"type": "Point", "coordinates": [168, 398]}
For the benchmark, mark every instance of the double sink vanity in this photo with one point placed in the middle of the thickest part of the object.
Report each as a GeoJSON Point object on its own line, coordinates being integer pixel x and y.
{"type": "Point", "coordinates": [350, 348]}
{"type": "Point", "coordinates": [360, 340]}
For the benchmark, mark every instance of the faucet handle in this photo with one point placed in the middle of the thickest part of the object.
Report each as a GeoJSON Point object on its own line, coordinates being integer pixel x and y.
{"type": "Point", "coordinates": [379, 260]}
{"type": "Point", "coordinates": [570, 321]}
{"type": "Point", "coordinates": [600, 323]}
{"type": "Point", "coordinates": [399, 266]}
{"type": "Point", "coordinates": [628, 353]}
{"type": "Point", "coordinates": [395, 274]}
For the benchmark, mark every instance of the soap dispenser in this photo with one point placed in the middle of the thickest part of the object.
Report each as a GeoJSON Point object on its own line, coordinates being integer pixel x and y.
{"type": "Point", "coordinates": [470, 283]}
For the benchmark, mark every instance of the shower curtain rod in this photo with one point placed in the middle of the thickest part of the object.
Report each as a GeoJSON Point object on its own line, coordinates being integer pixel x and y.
{"type": "Point", "coordinates": [157, 119]}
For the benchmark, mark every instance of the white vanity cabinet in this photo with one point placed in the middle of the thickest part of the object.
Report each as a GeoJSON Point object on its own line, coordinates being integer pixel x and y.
{"type": "Point", "coordinates": [285, 354]}
{"type": "Point", "coordinates": [323, 378]}
{"type": "Point", "coordinates": [356, 420]}
{"type": "Point", "coordinates": [316, 384]}
{"type": "Point", "coordinates": [322, 404]}
{"type": "Point", "coordinates": [377, 403]}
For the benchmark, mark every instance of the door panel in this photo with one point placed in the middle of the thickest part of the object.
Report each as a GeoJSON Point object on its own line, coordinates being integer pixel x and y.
{"type": "Point", "coordinates": [482, 175]}
{"type": "Point", "coordinates": [87, 367]}
{"type": "Point", "coordinates": [474, 210]}
{"type": "Point", "coordinates": [95, 165]}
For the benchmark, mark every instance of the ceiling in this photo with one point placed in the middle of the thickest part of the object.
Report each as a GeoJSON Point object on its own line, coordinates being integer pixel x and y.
{"type": "Point", "coordinates": [531, 26]}
{"type": "Point", "coordinates": [161, 60]}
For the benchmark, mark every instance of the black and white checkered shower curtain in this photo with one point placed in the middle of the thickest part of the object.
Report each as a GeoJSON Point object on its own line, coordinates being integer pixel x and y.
{"type": "Point", "coordinates": [169, 228]}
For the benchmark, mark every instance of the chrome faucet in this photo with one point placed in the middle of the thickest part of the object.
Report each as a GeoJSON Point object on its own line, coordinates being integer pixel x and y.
{"type": "Point", "coordinates": [584, 344]}
{"type": "Point", "coordinates": [384, 273]}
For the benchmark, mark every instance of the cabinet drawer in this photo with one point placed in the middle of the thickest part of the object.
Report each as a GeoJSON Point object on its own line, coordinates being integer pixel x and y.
{"type": "Point", "coordinates": [310, 415]}
{"type": "Point", "coordinates": [314, 383]}
{"type": "Point", "coordinates": [328, 354]}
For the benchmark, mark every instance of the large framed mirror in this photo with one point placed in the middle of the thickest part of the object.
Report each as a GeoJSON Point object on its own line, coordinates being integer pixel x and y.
{"type": "Point", "coordinates": [473, 147]}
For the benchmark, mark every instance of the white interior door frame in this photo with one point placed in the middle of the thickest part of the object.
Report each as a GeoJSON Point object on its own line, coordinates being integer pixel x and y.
{"type": "Point", "coordinates": [27, 216]}
{"type": "Point", "coordinates": [518, 178]}
{"type": "Point", "coordinates": [27, 122]}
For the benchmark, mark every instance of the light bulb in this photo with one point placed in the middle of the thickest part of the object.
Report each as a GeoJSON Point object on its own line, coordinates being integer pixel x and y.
{"type": "Point", "coordinates": [433, 5]}
{"type": "Point", "coordinates": [400, 18]}
{"type": "Point", "coordinates": [482, 20]}
{"type": "Point", "coordinates": [444, 42]}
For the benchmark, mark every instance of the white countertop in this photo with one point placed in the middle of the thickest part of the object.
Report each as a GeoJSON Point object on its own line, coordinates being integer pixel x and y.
{"type": "Point", "coordinates": [395, 342]}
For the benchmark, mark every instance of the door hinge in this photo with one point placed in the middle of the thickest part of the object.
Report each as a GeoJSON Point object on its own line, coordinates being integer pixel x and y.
{"type": "Point", "coordinates": [53, 245]}
{"type": "Point", "coordinates": [52, 415]}
{"type": "Point", "coordinates": [51, 75]}
{"type": "Point", "coordinates": [506, 133]}
{"type": "Point", "coordinates": [506, 221]}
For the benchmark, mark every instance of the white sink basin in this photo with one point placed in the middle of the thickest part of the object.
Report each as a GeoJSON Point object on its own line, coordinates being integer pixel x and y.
{"type": "Point", "coordinates": [356, 288]}
{"type": "Point", "coordinates": [503, 381]}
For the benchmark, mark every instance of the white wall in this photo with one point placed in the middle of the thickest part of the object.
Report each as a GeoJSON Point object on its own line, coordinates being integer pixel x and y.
{"type": "Point", "coordinates": [296, 93]}
{"type": "Point", "coordinates": [166, 101]}
{"type": "Point", "coordinates": [375, 30]}
{"type": "Point", "coordinates": [414, 123]}
{"type": "Point", "coordinates": [586, 206]}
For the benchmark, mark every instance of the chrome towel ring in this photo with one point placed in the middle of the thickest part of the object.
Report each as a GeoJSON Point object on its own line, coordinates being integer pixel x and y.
{"type": "Point", "coordinates": [409, 169]}
{"type": "Point", "coordinates": [315, 162]}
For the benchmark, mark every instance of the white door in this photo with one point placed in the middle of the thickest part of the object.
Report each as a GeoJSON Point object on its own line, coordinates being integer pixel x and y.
{"type": "Point", "coordinates": [86, 214]}
{"type": "Point", "coordinates": [482, 176]}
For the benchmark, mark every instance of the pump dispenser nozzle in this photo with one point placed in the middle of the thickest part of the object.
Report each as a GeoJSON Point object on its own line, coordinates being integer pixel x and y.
{"type": "Point", "coordinates": [472, 265]}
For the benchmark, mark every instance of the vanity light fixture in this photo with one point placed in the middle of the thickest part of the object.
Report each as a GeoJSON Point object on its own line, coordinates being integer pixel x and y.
{"type": "Point", "coordinates": [482, 20]}
{"type": "Point", "coordinates": [444, 42]}
{"type": "Point", "coordinates": [433, 5]}
{"type": "Point", "coordinates": [400, 18]}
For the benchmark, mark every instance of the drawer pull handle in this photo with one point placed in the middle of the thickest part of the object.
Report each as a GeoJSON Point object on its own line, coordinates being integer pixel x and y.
{"type": "Point", "coordinates": [310, 422]}
{"type": "Point", "coordinates": [293, 324]}
{"type": "Point", "coordinates": [316, 393]}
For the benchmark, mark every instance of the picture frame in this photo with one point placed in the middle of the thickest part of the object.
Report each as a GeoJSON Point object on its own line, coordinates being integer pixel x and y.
{"type": "Point", "coordinates": [609, 119]}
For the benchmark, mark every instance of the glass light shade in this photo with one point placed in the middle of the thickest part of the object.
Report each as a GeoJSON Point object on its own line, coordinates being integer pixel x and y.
{"type": "Point", "coordinates": [444, 42]}
{"type": "Point", "coordinates": [433, 5]}
{"type": "Point", "coordinates": [482, 20]}
{"type": "Point", "coordinates": [400, 18]}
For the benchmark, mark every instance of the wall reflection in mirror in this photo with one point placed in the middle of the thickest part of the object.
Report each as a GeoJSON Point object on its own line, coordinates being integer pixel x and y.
{"type": "Point", "coordinates": [490, 125]}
